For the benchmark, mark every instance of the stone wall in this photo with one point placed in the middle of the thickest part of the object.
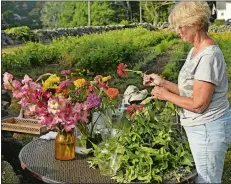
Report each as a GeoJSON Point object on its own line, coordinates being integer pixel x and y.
{"type": "Point", "coordinates": [45, 36]}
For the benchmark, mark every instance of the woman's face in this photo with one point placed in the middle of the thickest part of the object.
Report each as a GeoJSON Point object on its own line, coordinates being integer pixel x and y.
{"type": "Point", "coordinates": [187, 33]}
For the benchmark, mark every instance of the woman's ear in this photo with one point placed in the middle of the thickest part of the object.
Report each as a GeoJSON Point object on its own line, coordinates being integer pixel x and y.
{"type": "Point", "coordinates": [197, 27]}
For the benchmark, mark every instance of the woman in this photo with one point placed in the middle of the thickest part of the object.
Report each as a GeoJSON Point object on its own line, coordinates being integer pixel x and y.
{"type": "Point", "coordinates": [201, 91]}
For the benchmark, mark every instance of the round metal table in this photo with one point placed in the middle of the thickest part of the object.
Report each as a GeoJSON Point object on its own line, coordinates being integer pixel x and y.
{"type": "Point", "coordinates": [38, 158]}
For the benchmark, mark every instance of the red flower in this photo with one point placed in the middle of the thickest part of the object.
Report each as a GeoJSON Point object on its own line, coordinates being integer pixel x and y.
{"type": "Point", "coordinates": [103, 85]}
{"type": "Point", "coordinates": [121, 70]}
{"type": "Point", "coordinates": [131, 110]}
{"type": "Point", "coordinates": [112, 92]}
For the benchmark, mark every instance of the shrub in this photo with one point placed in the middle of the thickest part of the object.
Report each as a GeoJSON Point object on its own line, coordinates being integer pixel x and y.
{"type": "Point", "coordinates": [23, 33]}
{"type": "Point", "coordinates": [219, 22]}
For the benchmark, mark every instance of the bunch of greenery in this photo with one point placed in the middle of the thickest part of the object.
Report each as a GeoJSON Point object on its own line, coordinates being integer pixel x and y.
{"type": "Point", "coordinates": [153, 149]}
{"type": "Point", "coordinates": [23, 33]}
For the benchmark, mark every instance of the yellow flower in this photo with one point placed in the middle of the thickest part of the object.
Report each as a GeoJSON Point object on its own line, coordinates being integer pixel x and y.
{"type": "Point", "coordinates": [79, 83]}
{"type": "Point", "coordinates": [51, 82]}
{"type": "Point", "coordinates": [105, 79]}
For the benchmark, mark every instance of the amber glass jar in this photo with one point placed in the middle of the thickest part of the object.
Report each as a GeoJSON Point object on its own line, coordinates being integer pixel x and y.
{"type": "Point", "coordinates": [65, 145]}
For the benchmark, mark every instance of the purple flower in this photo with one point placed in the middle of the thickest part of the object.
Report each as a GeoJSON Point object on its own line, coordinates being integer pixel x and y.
{"type": "Point", "coordinates": [92, 101]}
{"type": "Point", "coordinates": [66, 72]}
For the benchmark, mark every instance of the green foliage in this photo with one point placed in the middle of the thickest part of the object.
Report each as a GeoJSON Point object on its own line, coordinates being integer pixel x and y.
{"type": "Point", "coordinates": [153, 150]}
{"type": "Point", "coordinates": [16, 13]}
{"type": "Point", "coordinates": [29, 56]}
{"type": "Point", "coordinates": [177, 59]}
{"type": "Point", "coordinates": [102, 14]}
{"type": "Point", "coordinates": [105, 52]}
{"type": "Point", "coordinates": [22, 32]}
{"type": "Point", "coordinates": [8, 174]}
{"type": "Point", "coordinates": [50, 14]}
{"type": "Point", "coordinates": [219, 22]}
{"type": "Point", "coordinates": [95, 52]}
{"type": "Point", "coordinates": [224, 41]}
{"type": "Point", "coordinates": [226, 178]}
{"type": "Point", "coordinates": [156, 11]}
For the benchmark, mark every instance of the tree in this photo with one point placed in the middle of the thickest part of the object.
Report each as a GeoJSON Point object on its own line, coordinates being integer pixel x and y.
{"type": "Point", "coordinates": [19, 13]}
{"type": "Point", "coordinates": [50, 14]}
{"type": "Point", "coordinates": [156, 11]}
{"type": "Point", "coordinates": [102, 13]}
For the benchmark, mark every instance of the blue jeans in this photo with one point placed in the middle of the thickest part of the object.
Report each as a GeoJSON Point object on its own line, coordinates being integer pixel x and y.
{"type": "Point", "coordinates": [209, 143]}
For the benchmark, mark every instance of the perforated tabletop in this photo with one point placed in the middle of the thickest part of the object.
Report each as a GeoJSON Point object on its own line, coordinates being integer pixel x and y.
{"type": "Point", "coordinates": [38, 157]}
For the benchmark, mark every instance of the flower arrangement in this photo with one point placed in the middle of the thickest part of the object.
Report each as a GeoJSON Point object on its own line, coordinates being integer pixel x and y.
{"type": "Point", "coordinates": [63, 100]}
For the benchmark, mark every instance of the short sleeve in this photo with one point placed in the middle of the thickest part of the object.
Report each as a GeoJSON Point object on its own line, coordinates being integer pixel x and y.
{"type": "Point", "coordinates": [211, 68]}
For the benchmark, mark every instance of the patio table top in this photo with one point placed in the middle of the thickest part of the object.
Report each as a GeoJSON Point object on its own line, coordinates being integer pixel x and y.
{"type": "Point", "coordinates": [38, 158]}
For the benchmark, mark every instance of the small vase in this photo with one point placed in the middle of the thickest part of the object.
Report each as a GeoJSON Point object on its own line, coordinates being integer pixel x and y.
{"type": "Point", "coordinates": [65, 145]}
{"type": "Point", "coordinates": [109, 165]}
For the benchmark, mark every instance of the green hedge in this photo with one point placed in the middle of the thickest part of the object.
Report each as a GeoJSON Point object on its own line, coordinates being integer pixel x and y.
{"type": "Point", "coordinates": [96, 52]}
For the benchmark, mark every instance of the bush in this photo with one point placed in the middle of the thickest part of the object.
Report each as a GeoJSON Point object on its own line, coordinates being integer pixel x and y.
{"type": "Point", "coordinates": [219, 22]}
{"type": "Point", "coordinates": [21, 33]}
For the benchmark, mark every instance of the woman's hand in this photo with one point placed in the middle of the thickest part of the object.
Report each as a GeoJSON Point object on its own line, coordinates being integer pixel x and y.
{"type": "Point", "coordinates": [160, 93]}
{"type": "Point", "coordinates": [152, 80]}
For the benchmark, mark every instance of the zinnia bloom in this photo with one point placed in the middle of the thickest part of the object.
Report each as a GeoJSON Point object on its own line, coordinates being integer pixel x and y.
{"type": "Point", "coordinates": [79, 83]}
{"type": "Point", "coordinates": [121, 70]}
{"type": "Point", "coordinates": [92, 101]}
{"type": "Point", "coordinates": [112, 92]}
{"type": "Point", "coordinates": [51, 82]}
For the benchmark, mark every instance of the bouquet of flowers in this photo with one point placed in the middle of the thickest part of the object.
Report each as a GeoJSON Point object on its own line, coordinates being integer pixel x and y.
{"type": "Point", "coordinates": [63, 100]}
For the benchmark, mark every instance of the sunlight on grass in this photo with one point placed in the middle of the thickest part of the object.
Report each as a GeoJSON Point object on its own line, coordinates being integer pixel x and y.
{"type": "Point", "coordinates": [10, 49]}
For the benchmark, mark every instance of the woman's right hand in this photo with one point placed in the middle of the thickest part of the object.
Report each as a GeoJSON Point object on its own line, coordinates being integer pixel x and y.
{"type": "Point", "coordinates": [152, 80]}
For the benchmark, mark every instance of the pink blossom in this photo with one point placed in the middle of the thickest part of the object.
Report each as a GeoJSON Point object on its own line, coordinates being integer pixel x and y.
{"type": "Point", "coordinates": [17, 84]}
{"type": "Point", "coordinates": [46, 120]}
{"type": "Point", "coordinates": [7, 77]}
{"type": "Point", "coordinates": [66, 72]}
{"type": "Point", "coordinates": [26, 79]}
{"type": "Point", "coordinates": [17, 94]}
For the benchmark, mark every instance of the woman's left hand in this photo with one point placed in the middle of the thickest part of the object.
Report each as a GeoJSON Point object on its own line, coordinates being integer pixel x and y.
{"type": "Point", "coordinates": [160, 93]}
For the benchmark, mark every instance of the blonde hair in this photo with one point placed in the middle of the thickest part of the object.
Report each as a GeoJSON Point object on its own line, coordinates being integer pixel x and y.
{"type": "Point", "coordinates": [189, 14]}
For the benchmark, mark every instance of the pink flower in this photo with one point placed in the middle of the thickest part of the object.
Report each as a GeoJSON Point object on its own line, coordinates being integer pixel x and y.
{"type": "Point", "coordinates": [121, 70]}
{"type": "Point", "coordinates": [26, 79]}
{"type": "Point", "coordinates": [7, 80]}
{"type": "Point", "coordinates": [7, 77]}
{"type": "Point", "coordinates": [66, 72]}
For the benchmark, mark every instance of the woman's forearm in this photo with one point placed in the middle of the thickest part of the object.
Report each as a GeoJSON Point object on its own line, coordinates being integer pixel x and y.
{"type": "Point", "coordinates": [187, 103]}
{"type": "Point", "coordinates": [170, 86]}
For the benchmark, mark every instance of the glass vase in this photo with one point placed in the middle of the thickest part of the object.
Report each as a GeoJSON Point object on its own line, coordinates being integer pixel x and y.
{"type": "Point", "coordinates": [109, 166]}
{"type": "Point", "coordinates": [65, 145]}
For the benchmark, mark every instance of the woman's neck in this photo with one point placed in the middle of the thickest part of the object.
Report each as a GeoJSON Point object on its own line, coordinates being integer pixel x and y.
{"type": "Point", "coordinates": [200, 39]}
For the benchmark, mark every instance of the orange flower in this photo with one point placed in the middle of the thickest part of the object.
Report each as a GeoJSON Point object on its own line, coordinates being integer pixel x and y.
{"type": "Point", "coordinates": [112, 92]}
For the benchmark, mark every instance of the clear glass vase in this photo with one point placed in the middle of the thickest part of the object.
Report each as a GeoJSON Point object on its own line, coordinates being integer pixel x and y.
{"type": "Point", "coordinates": [65, 145]}
{"type": "Point", "coordinates": [110, 157]}
{"type": "Point", "coordinates": [109, 165]}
